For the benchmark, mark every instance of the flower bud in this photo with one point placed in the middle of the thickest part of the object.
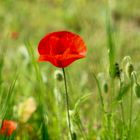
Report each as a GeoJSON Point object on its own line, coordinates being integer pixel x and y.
{"type": "Point", "coordinates": [58, 75]}
{"type": "Point", "coordinates": [105, 87]}
{"type": "Point", "coordinates": [127, 59]}
{"type": "Point", "coordinates": [137, 89]}
{"type": "Point", "coordinates": [129, 69]}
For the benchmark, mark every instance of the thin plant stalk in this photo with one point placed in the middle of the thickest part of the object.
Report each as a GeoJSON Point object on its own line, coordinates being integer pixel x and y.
{"type": "Point", "coordinates": [121, 105]}
{"type": "Point", "coordinates": [81, 128]}
{"type": "Point", "coordinates": [123, 118]}
{"type": "Point", "coordinates": [67, 103]}
{"type": "Point", "coordinates": [110, 96]}
{"type": "Point", "coordinates": [122, 112]}
{"type": "Point", "coordinates": [57, 112]}
{"type": "Point", "coordinates": [100, 92]}
{"type": "Point", "coordinates": [131, 108]}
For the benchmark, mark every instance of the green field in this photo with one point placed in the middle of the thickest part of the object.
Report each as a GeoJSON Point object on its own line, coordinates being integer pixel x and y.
{"type": "Point", "coordinates": [103, 88]}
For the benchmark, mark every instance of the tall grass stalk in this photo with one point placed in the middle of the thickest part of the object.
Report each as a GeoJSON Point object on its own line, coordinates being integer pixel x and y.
{"type": "Point", "coordinates": [111, 56]}
{"type": "Point", "coordinates": [44, 129]}
{"type": "Point", "coordinates": [122, 110]}
{"type": "Point", "coordinates": [58, 110]}
{"type": "Point", "coordinates": [76, 116]}
{"type": "Point", "coordinates": [121, 104]}
{"type": "Point", "coordinates": [100, 92]}
{"type": "Point", "coordinates": [131, 108]}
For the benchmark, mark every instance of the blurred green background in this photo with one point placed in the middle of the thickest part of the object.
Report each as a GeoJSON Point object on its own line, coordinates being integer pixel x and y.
{"type": "Point", "coordinates": [32, 19]}
{"type": "Point", "coordinates": [24, 21]}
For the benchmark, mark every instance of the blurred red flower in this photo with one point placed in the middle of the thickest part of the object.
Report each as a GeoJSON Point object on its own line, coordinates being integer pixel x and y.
{"type": "Point", "coordinates": [14, 35]}
{"type": "Point", "coordinates": [8, 127]}
{"type": "Point", "coordinates": [61, 48]}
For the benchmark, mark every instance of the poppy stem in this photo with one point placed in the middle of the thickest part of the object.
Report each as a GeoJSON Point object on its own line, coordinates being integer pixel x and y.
{"type": "Point", "coordinates": [67, 103]}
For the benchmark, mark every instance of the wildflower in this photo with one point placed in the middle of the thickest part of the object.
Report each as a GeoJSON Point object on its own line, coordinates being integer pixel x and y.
{"type": "Point", "coordinates": [8, 127]}
{"type": "Point", "coordinates": [61, 48]}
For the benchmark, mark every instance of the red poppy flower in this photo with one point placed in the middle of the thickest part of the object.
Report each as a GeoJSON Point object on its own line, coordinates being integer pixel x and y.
{"type": "Point", "coordinates": [61, 48]}
{"type": "Point", "coordinates": [8, 127]}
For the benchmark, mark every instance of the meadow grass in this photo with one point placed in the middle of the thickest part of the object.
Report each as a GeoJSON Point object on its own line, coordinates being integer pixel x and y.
{"type": "Point", "coordinates": [103, 88]}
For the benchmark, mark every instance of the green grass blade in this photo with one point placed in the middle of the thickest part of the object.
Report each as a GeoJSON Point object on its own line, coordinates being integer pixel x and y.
{"type": "Point", "coordinates": [110, 45]}
{"type": "Point", "coordinates": [7, 104]}
{"type": "Point", "coordinates": [44, 129]}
